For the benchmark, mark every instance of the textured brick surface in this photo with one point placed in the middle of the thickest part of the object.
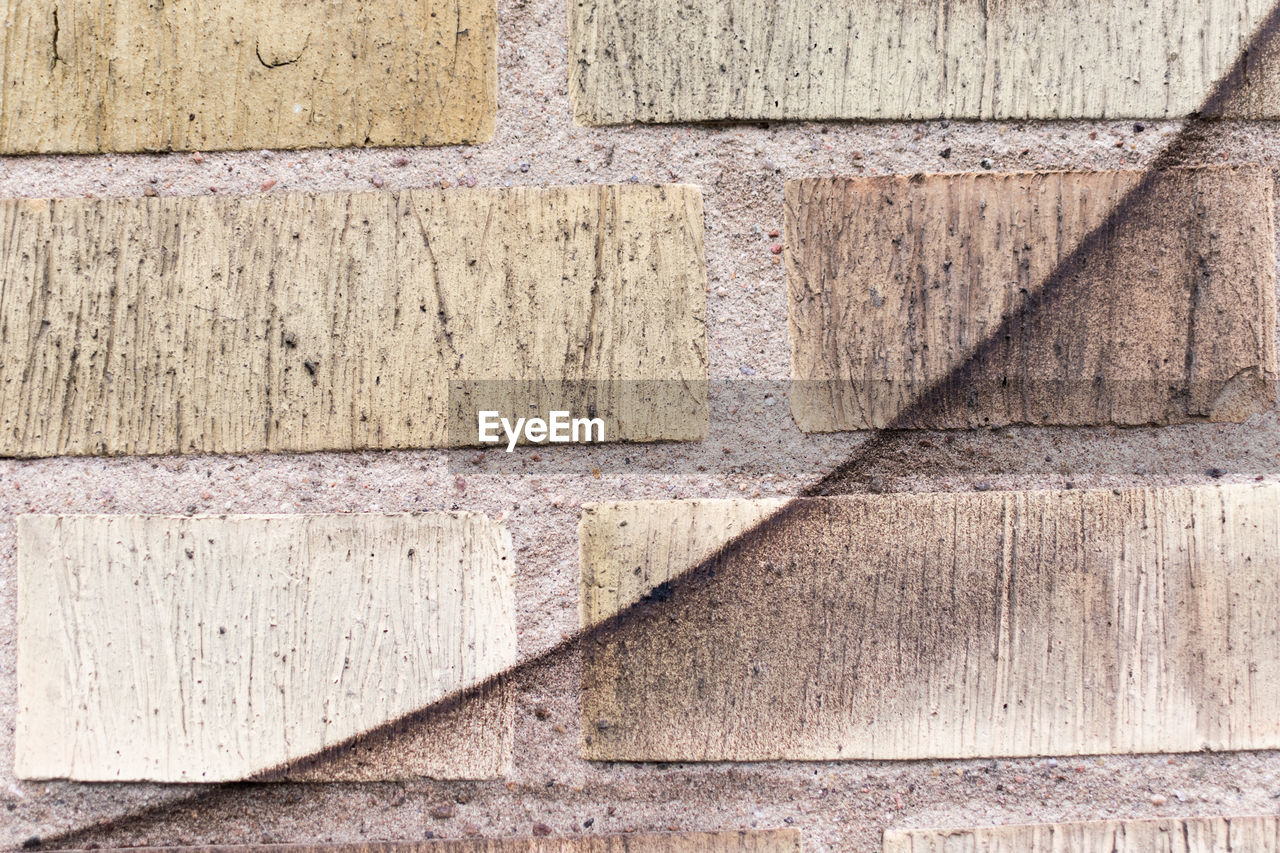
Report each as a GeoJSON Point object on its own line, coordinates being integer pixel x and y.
{"type": "Point", "coordinates": [1170, 835]}
{"type": "Point", "coordinates": [347, 321]}
{"type": "Point", "coordinates": [1069, 298]}
{"type": "Point", "coordinates": [953, 625]}
{"type": "Point", "coordinates": [84, 76]}
{"type": "Point", "coordinates": [691, 60]}
{"type": "Point", "coordinates": [210, 649]}
{"type": "Point", "coordinates": [630, 548]}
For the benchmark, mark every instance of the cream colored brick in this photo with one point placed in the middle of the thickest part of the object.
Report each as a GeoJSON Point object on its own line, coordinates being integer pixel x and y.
{"type": "Point", "coordinates": [205, 649]}
{"type": "Point", "coordinates": [675, 60]}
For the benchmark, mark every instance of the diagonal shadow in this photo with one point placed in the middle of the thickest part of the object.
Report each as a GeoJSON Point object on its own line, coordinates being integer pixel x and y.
{"type": "Point", "coordinates": [733, 564]}
{"type": "Point", "coordinates": [950, 625]}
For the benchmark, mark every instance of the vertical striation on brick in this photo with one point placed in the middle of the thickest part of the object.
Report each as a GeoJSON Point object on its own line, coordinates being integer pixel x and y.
{"type": "Point", "coordinates": [917, 626]}
{"type": "Point", "coordinates": [1057, 298]}
{"type": "Point", "coordinates": [629, 549]}
{"type": "Point", "coordinates": [87, 76]}
{"type": "Point", "coordinates": [1174, 835]}
{"type": "Point", "coordinates": [348, 321]}
{"type": "Point", "coordinates": [698, 60]}
{"type": "Point", "coordinates": [208, 649]}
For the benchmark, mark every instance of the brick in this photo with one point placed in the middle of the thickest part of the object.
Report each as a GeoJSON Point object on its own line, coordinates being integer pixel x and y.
{"type": "Point", "coordinates": [1057, 298]}
{"type": "Point", "coordinates": [664, 61]}
{"type": "Point", "coordinates": [470, 737]}
{"type": "Point", "coordinates": [629, 549]}
{"type": "Point", "coordinates": [741, 841]}
{"type": "Point", "coordinates": [86, 76]}
{"type": "Point", "coordinates": [212, 649]}
{"type": "Point", "coordinates": [347, 321]}
{"type": "Point", "coordinates": [915, 626]}
{"type": "Point", "coordinates": [1175, 835]}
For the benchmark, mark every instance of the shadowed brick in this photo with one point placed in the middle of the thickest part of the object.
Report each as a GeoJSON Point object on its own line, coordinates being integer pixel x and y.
{"type": "Point", "coordinates": [916, 626]}
{"type": "Point", "coordinates": [1061, 311]}
{"type": "Point", "coordinates": [742, 841]}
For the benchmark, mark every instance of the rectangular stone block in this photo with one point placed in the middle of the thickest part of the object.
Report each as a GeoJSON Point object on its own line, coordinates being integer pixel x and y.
{"type": "Point", "coordinates": [211, 649]}
{"type": "Point", "coordinates": [1171, 835]}
{"type": "Point", "coordinates": [86, 76]}
{"type": "Point", "coordinates": [699, 60]}
{"type": "Point", "coordinates": [1058, 298]}
{"type": "Point", "coordinates": [916, 626]}
{"type": "Point", "coordinates": [348, 321]}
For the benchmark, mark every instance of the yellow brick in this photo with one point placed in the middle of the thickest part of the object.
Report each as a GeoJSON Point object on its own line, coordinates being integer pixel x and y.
{"type": "Point", "coordinates": [84, 76]}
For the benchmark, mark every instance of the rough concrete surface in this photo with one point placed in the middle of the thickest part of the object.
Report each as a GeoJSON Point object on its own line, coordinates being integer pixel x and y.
{"type": "Point", "coordinates": [753, 450]}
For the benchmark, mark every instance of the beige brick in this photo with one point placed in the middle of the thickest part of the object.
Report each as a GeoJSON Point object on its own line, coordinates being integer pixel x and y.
{"type": "Point", "coordinates": [673, 60]}
{"type": "Point", "coordinates": [916, 626]}
{"type": "Point", "coordinates": [629, 549]}
{"type": "Point", "coordinates": [213, 649]}
{"type": "Point", "coordinates": [1171, 835]}
{"type": "Point", "coordinates": [962, 301]}
{"type": "Point", "coordinates": [84, 76]}
{"type": "Point", "coordinates": [347, 321]}
{"type": "Point", "coordinates": [470, 736]}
